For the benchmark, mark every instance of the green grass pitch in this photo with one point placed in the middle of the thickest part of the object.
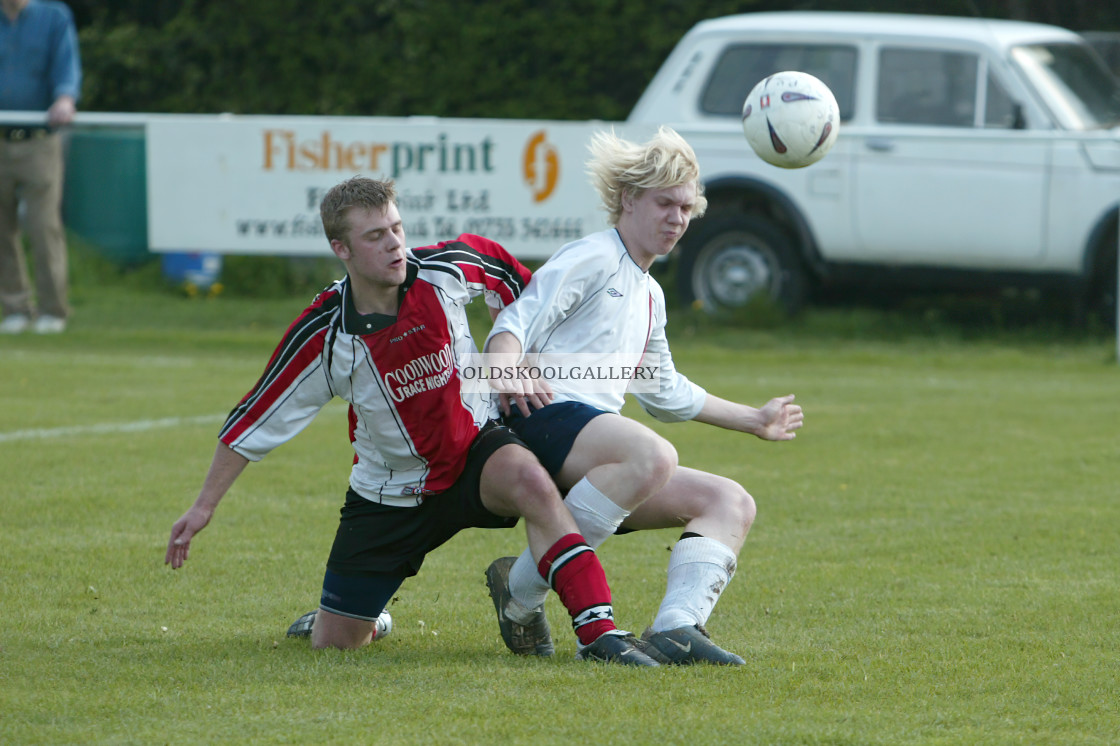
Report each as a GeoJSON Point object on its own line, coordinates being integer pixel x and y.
{"type": "Point", "coordinates": [935, 561]}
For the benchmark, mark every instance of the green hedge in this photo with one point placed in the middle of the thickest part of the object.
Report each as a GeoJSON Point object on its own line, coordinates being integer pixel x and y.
{"type": "Point", "coordinates": [579, 59]}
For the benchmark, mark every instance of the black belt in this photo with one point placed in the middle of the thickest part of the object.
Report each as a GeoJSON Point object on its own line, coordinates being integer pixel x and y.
{"type": "Point", "coordinates": [15, 134]}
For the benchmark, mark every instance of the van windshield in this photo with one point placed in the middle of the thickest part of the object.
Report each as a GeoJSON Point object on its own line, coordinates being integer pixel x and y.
{"type": "Point", "coordinates": [1080, 92]}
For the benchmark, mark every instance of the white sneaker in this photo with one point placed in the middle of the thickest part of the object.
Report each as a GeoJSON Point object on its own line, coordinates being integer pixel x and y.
{"type": "Point", "coordinates": [49, 325]}
{"type": "Point", "coordinates": [15, 323]}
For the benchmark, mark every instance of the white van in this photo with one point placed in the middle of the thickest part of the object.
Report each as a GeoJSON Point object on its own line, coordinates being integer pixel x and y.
{"type": "Point", "coordinates": [972, 152]}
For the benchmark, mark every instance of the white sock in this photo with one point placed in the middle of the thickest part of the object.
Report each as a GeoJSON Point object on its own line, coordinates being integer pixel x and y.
{"type": "Point", "coordinates": [527, 589]}
{"type": "Point", "coordinates": [597, 518]}
{"type": "Point", "coordinates": [699, 569]}
{"type": "Point", "coordinates": [596, 514]}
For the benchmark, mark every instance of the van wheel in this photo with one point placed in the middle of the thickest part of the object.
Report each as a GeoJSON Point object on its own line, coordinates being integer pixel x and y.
{"type": "Point", "coordinates": [734, 260]}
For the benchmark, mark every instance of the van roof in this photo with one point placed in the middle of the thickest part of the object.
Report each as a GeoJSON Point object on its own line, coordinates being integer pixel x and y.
{"type": "Point", "coordinates": [1004, 33]}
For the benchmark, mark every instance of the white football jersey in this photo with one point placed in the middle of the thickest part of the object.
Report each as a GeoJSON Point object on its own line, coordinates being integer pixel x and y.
{"type": "Point", "coordinates": [591, 298]}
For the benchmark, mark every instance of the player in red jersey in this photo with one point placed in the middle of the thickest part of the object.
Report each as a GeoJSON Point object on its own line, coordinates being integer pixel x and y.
{"type": "Point", "coordinates": [430, 458]}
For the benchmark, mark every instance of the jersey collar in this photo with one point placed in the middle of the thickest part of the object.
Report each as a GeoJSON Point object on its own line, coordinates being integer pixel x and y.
{"type": "Point", "coordinates": [369, 323]}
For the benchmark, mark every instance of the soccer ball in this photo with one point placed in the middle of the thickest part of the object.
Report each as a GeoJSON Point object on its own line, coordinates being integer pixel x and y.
{"type": "Point", "coordinates": [791, 119]}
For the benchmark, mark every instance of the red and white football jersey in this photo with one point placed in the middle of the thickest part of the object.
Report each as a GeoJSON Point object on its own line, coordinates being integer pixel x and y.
{"type": "Point", "coordinates": [411, 422]}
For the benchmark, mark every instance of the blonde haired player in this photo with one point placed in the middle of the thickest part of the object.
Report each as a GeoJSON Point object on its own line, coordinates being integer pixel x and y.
{"type": "Point", "coordinates": [596, 296]}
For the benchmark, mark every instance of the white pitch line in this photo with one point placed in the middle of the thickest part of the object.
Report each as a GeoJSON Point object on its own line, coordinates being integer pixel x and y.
{"type": "Point", "coordinates": [110, 428]}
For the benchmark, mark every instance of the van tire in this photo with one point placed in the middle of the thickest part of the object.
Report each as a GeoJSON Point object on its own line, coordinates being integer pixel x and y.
{"type": "Point", "coordinates": [734, 260]}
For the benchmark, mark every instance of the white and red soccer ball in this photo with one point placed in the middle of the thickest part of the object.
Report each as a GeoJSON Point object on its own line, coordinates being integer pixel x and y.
{"type": "Point", "coordinates": [791, 119]}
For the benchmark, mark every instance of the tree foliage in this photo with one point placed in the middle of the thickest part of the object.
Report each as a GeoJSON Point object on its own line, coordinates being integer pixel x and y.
{"type": "Point", "coordinates": [580, 59]}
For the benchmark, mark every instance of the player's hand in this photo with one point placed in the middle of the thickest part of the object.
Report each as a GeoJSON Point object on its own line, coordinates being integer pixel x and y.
{"type": "Point", "coordinates": [179, 545]}
{"type": "Point", "coordinates": [518, 383]}
{"type": "Point", "coordinates": [779, 419]}
{"type": "Point", "coordinates": [526, 394]}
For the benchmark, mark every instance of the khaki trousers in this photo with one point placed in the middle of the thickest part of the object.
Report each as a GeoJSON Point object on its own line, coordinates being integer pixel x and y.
{"type": "Point", "coordinates": [31, 170]}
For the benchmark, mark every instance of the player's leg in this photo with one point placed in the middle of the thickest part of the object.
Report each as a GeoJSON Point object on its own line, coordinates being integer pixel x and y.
{"type": "Point", "coordinates": [621, 458]}
{"type": "Point", "coordinates": [376, 547]}
{"type": "Point", "coordinates": [350, 607]}
{"type": "Point", "coordinates": [337, 631]}
{"type": "Point", "coordinates": [699, 503]}
{"type": "Point", "coordinates": [608, 463]}
{"type": "Point", "coordinates": [716, 514]}
{"type": "Point", "coordinates": [513, 483]}
{"type": "Point", "coordinates": [530, 634]}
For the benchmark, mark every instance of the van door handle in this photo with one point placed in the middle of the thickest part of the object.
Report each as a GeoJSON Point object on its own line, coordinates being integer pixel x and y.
{"type": "Point", "coordinates": [880, 144]}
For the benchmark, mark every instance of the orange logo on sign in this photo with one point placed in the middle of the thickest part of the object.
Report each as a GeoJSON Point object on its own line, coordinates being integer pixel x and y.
{"type": "Point", "coordinates": [541, 166]}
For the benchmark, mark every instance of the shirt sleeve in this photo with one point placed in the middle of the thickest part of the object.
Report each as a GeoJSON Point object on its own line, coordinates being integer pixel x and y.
{"type": "Point", "coordinates": [65, 62]}
{"type": "Point", "coordinates": [556, 289]}
{"type": "Point", "coordinates": [293, 388]}
{"type": "Point", "coordinates": [474, 266]}
{"type": "Point", "coordinates": [679, 399]}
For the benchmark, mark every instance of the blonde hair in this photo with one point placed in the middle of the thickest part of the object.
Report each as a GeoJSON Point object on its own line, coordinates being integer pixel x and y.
{"type": "Point", "coordinates": [618, 167]}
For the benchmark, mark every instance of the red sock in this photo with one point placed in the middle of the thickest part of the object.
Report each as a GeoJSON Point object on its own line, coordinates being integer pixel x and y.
{"type": "Point", "coordinates": [572, 568]}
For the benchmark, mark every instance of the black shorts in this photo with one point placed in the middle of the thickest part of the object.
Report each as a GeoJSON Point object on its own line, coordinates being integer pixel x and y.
{"type": "Point", "coordinates": [376, 539]}
{"type": "Point", "coordinates": [550, 431]}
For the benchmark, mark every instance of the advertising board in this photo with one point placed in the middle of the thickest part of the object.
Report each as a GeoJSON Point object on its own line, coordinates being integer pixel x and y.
{"type": "Point", "coordinates": [253, 184]}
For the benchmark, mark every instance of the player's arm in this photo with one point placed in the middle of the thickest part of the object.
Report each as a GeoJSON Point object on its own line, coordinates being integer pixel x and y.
{"type": "Point", "coordinates": [503, 275]}
{"type": "Point", "coordinates": [557, 287]}
{"type": "Point", "coordinates": [471, 265]}
{"type": "Point", "coordinates": [504, 352]}
{"type": "Point", "coordinates": [680, 400]}
{"type": "Point", "coordinates": [778, 419]}
{"type": "Point", "coordinates": [292, 390]}
{"type": "Point", "coordinates": [226, 466]}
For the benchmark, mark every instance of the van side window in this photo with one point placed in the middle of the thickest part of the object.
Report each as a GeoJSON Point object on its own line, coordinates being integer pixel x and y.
{"type": "Point", "coordinates": [925, 86]}
{"type": "Point", "coordinates": [999, 108]}
{"type": "Point", "coordinates": [742, 66]}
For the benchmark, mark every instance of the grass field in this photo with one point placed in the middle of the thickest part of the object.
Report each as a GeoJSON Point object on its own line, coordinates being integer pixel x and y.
{"type": "Point", "coordinates": [936, 558]}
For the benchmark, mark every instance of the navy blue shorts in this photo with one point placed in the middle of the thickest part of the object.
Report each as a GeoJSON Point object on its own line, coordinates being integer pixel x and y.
{"type": "Point", "coordinates": [550, 431]}
{"type": "Point", "coordinates": [377, 546]}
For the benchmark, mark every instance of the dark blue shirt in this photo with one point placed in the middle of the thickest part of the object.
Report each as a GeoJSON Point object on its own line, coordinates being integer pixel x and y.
{"type": "Point", "coordinates": [38, 57]}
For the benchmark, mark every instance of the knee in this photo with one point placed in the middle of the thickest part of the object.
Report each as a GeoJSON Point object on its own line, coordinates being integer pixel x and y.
{"type": "Point", "coordinates": [654, 462]}
{"type": "Point", "coordinates": [742, 505]}
{"type": "Point", "coordinates": [736, 506]}
{"type": "Point", "coordinates": [534, 481]}
{"type": "Point", "coordinates": [528, 481]}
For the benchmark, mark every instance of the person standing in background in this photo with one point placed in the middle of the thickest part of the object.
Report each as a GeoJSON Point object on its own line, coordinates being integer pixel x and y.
{"type": "Point", "coordinates": [40, 70]}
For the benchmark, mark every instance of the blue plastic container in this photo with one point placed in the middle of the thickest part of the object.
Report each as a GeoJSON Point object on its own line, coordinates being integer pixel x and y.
{"type": "Point", "coordinates": [195, 268]}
